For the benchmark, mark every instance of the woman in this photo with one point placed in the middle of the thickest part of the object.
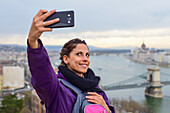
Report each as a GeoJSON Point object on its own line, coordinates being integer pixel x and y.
{"type": "Point", "coordinates": [74, 68]}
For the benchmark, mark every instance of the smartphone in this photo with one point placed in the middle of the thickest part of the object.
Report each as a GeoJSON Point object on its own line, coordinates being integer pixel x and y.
{"type": "Point", "coordinates": [66, 19]}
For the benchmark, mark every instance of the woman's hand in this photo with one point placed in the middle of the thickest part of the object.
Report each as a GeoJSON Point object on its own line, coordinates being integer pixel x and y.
{"type": "Point", "coordinates": [97, 99]}
{"type": "Point", "coordinates": [38, 27]}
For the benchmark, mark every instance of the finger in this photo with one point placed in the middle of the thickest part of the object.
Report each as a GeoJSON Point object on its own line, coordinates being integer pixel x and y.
{"type": "Point", "coordinates": [90, 97]}
{"type": "Point", "coordinates": [40, 13]}
{"type": "Point", "coordinates": [48, 29]}
{"type": "Point", "coordinates": [93, 101]}
{"type": "Point", "coordinates": [44, 16]}
{"type": "Point", "coordinates": [51, 22]}
{"type": "Point", "coordinates": [45, 29]}
{"type": "Point", "coordinates": [98, 98]}
{"type": "Point", "coordinates": [93, 93]}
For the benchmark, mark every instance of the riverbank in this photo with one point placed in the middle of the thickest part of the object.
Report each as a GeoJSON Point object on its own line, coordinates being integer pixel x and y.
{"type": "Point", "coordinates": [129, 106]}
{"type": "Point", "coordinates": [116, 68]}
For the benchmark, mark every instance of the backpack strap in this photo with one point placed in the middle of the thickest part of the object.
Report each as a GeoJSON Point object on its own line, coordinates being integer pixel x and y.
{"type": "Point", "coordinates": [69, 85]}
{"type": "Point", "coordinates": [80, 100]}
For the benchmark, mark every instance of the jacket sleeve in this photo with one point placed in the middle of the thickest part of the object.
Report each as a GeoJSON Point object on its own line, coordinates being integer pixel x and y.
{"type": "Point", "coordinates": [44, 79]}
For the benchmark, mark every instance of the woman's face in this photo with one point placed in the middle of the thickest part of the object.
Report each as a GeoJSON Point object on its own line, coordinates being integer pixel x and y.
{"type": "Point", "coordinates": [78, 61]}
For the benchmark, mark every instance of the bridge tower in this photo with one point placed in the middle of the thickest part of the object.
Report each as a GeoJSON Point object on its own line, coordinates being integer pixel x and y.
{"type": "Point", "coordinates": [154, 90]}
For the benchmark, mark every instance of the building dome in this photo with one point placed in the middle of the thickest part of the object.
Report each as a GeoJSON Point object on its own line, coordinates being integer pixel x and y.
{"type": "Point", "coordinates": [143, 46]}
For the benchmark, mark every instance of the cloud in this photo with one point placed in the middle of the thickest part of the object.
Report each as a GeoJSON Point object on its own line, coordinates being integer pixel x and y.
{"type": "Point", "coordinates": [13, 39]}
{"type": "Point", "coordinates": [91, 15]}
{"type": "Point", "coordinates": [116, 33]}
{"type": "Point", "coordinates": [156, 37]}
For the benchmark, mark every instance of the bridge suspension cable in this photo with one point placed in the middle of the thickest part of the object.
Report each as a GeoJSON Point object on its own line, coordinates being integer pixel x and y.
{"type": "Point", "coordinates": [130, 80]}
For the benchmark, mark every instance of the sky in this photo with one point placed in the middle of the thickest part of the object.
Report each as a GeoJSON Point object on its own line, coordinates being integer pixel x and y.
{"type": "Point", "coordinates": [106, 23]}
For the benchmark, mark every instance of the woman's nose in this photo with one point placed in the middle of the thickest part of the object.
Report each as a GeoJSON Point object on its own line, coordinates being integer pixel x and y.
{"type": "Point", "coordinates": [85, 57]}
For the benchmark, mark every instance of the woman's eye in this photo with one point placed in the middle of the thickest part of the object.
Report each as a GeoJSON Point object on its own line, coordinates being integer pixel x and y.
{"type": "Point", "coordinates": [78, 54]}
{"type": "Point", "coordinates": [87, 55]}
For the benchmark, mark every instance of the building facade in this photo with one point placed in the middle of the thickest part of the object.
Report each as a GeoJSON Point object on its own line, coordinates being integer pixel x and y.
{"type": "Point", "coordinates": [13, 77]}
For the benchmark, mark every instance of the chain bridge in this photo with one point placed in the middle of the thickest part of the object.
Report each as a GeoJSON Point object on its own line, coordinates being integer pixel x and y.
{"type": "Point", "coordinates": [153, 80]}
{"type": "Point", "coordinates": [137, 82]}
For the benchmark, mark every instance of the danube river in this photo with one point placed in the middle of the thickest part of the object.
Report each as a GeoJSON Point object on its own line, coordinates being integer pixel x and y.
{"type": "Point", "coordinates": [114, 68]}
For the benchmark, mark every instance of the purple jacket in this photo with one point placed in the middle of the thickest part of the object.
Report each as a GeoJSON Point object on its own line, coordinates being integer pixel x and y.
{"type": "Point", "coordinates": [51, 91]}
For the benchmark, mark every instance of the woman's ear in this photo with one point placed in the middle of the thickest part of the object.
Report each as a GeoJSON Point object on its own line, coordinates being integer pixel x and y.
{"type": "Point", "coordinates": [65, 59]}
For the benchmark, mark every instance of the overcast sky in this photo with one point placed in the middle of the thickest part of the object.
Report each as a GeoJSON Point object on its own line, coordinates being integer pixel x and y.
{"type": "Point", "coordinates": [119, 21]}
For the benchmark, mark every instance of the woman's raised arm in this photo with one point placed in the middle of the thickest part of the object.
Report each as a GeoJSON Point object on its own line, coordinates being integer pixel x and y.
{"type": "Point", "coordinates": [38, 26]}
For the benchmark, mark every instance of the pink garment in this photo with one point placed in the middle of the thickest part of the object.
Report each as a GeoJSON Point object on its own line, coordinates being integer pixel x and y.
{"type": "Point", "coordinates": [94, 108]}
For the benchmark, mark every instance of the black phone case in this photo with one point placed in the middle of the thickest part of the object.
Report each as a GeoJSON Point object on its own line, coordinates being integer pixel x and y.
{"type": "Point", "coordinates": [66, 19]}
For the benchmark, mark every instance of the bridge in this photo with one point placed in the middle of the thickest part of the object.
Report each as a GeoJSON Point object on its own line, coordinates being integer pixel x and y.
{"type": "Point", "coordinates": [153, 80]}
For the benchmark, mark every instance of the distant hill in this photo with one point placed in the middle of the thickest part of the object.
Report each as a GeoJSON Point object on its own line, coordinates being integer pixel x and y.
{"type": "Point", "coordinates": [124, 47]}
{"type": "Point", "coordinates": [51, 47]}
{"type": "Point", "coordinates": [93, 49]}
{"type": "Point", "coordinates": [14, 47]}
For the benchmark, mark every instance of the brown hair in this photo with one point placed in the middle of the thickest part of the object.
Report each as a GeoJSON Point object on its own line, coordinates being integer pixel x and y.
{"type": "Point", "coordinates": [68, 47]}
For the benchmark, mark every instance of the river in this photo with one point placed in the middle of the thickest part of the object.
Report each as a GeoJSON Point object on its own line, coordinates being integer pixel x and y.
{"type": "Point", "coordinates": [115, 68]}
